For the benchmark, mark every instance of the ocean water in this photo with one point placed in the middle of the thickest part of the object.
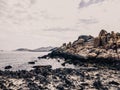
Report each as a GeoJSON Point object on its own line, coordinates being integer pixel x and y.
{"type": "Point", "coordinates": [19, 60]}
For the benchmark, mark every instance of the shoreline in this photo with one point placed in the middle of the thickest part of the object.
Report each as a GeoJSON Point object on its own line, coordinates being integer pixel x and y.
{"type": "Point", "coordinates": [45, 78]}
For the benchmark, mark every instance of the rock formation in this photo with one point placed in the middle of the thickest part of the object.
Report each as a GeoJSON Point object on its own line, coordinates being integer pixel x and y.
{"type": "Point", "coordinates": [108, 40]}
{"type": "Point", "coordinates": [106, 46]}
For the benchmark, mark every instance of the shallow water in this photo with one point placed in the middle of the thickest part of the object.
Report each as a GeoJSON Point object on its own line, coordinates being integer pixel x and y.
{"type": "Point", "coordinates": [19, 60]}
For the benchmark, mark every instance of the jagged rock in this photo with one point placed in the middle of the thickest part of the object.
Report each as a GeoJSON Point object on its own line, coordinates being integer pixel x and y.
{"type": "Point", "coordinates": [107, 40]}
{"type": "Point", "coordinates": [102, 33]}
{"type": "Point", "coordinates": [104, 48]}
{"type": "Point", "coordinates": [69, 45]}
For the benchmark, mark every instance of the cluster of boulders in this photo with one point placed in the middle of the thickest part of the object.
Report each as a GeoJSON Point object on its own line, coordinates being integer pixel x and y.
{"type": "Point", "coordinates": [106, 46]}
{"type": "Point", "coordinates": [108, 40]}
{"type": "Point", "coordinates": [45, 78]}
{"type": "Point", "coordinates": [83, 40]}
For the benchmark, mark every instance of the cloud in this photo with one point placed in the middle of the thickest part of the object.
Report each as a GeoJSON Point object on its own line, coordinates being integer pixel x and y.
{"type": "Point", "coordinates": [87, 3]}
{"type": "Point", "coordinates": [88, 21]}
{"type": "Point", "coordinates": [59, 29]}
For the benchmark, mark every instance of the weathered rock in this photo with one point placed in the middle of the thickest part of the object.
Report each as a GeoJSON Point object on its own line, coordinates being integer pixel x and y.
{"type": "Point", "coordinates": [107, 40]}
{"type": "Point", "coordinates": [102, 50]}
{"type": "Point", "coordinates": [102, 33]}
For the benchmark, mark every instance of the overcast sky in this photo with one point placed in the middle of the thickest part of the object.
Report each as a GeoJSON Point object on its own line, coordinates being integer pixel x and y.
{"type": "Point", "coordinates": [36, 23]}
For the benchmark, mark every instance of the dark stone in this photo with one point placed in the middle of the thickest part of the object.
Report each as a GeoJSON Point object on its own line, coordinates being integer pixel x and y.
{"type": "Point", "coordinates": [84, 84]}
{"type": "Point", "coordinates": [8, 67]}
{"type": "Point", "coordinates": [63, 64]}
{"type": "Point", "coordinates": [98, 84]}
{"type": "Point", "coordinates": [68, 82]}
{"type": "Point", "coordinates": [33, 86]}
{"type": "Point", "coordinates": [60, 87]}
{"type": "Point", "coordinates": [58, 60]}
{"type": "Point", "coordinates": [113, 82]}
{"type": "Point", "coordinates": [31, 62]}
{"type": "Point", "coordinates": [39, 67]}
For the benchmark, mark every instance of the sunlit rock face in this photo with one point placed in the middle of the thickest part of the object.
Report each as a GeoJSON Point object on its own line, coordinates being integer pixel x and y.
{"type": "Point", "coordinates": [107, 40]}
{"type": "Point", "coordinates": [104, 47]}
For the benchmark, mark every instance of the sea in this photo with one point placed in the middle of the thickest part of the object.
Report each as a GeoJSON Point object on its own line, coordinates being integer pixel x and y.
{"type": "Point", "coordinates": [19, 60]}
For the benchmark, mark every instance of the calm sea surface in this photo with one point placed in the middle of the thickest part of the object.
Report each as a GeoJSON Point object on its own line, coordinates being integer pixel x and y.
{"type": "Point", "coordinates": [19, 60]}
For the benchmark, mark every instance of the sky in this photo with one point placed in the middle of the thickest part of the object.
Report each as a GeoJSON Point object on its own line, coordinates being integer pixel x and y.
{"type": "Point", "coordinates": [41, 23]}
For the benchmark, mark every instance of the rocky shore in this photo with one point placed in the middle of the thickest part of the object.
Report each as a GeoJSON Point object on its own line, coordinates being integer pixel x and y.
{"type": "Point", "coordinates": [102, 50]}
{"type": "Point", "coordinates": [45, 78]}
{"type": "Point", "coordinates": [97, 60]}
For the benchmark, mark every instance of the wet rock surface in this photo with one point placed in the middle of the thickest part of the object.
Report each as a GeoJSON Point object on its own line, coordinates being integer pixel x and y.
{"type": "Point", "coordinates": [45, 78]}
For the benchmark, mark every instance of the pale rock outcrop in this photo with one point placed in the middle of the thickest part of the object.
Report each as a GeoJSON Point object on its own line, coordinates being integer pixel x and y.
{"type": "Point", "coordinates": [104, 47]}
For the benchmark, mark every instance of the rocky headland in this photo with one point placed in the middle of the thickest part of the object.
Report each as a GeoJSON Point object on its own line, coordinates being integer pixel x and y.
{"type": "Point", "coordinates": [97, 61]}
{"type": "Point", "coordinates": [102, 50]}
